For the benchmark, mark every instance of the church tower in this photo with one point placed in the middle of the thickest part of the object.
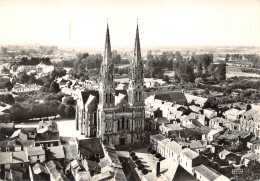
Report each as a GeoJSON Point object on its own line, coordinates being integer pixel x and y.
{"type": "Point", "coordinates": [106, 82]}
{"type": "Point", "coordinates": [136, 79]}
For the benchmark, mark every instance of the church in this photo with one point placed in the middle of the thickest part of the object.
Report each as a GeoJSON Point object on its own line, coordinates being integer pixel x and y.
{"type": "Point", "coordinates": [115, 116]}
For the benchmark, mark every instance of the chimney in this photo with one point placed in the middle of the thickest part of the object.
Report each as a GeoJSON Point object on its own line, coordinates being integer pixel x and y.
{"type": "Point", "coordinates": [158, 169]}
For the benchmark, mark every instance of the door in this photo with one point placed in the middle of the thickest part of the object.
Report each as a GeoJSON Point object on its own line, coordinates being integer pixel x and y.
{"type": "Point", "coordinates": [122, 141]}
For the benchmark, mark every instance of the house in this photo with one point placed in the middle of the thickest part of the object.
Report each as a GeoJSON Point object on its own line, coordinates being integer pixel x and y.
{"type": "Point", "coordinates": [154, 139]}
{"type": "Point", "coordinates": [204, 130]}
{"type": "Point", "coordinates": [166, 129]}
{"type": "Point", "coordinates": [245, 159]}
{"type": "Point", "coordinates": [36, 154]}
{"type": "Point", "coordinates": [38, 171]}
{"type": "Point", "coordinates": [71, 151]}
{"type": "Point", "coordinates": [189, 159]}
{"type": "Point", "coordinates": [254, 145]}
{"type": "Point", "coordinates": [161, 146]}
{"type": "Point", "coordinates": [55, 174]}
{"type": "Point", "coordinates": [91, 148]}
{"type": "Point", "coordinates": [203, 173]}
{"type": "Point", "coordinates": [43, 68]}
{"type": "Point", "coordinates": [210, 113]}
{"type": "Point", "coordinates": [218, 122]}
{"type": "Point", "coordinates": [173, 150]}
{"type": "Point", "coordinates": [196, 109]}
{"type": "Point", "coordinates": [196, 145]}
{"type": "Point", "coordinates": [55, 153]}
{"type": "Point", "coordinates": [196, 100]}
{"type": "Point", "coordinates": [212, 135]}
{"type": "Point", "coordinates": [233, 114]}
{"type": "Point", "coordinates": [222, 155]}
{"type": "Point", "coordinates": [47, 131]}
{"type": "Point", "coordinates": [79, 171]}
{"type": "Point", "coordinates": [250, 120]}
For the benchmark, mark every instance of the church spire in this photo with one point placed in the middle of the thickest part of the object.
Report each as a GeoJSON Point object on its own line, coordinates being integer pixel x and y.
{"type": "Point", "coordinates": [107, 53]}
{"type": "Point", "coordinates": [137, 51]}
{"type": "Point", "coordinates": [106, 83]}
{"type": "Point", "coordinates": [135, 88]}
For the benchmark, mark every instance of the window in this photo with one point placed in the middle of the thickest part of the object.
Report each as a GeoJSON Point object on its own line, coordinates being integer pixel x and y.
{"type": "Point", "coordinates": [110, 98]}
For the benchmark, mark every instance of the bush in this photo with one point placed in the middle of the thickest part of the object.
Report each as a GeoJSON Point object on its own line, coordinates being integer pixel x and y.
{"type": "Point", "coordinates": [132, 153]}
{"type": "Point", "coordinates": [144, 171]}
{"type": "Point", "coordinates": [130, 150]}
{"type": "Point", "coordinates": [158, 155]}
{"type": "Point", "coordinates": [137, 162]}
{"type": "Point", "coordinates": [134, 158]}
{"type": "Point", "coordinates": [153, 152]}
{"type": "Point", "coordinates": [195, 93]}
{"type": "Point", "coordinates": [149, 148]}
{"type": "Point", "coordinates": [140, 166]}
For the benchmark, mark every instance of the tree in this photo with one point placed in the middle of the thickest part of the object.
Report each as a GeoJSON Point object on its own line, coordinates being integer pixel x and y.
{"type": "Point", "coordinates": [70, 111]}
{"type": "Point", "coordinates": [54, 87]}
{"type": "Point", "coordinates": [144, 171]}
{"type": "Point", "coordinates": [24, 78]}
{"type": "Point", "coordinates": [7, 98]}
{"type": "Point", "coordinates": [17, 112]}
{"type": "Point", "coordinates": [221, 72]}
{"type": "Point", "coordinates": [140, 166]}
{"type": "Point", "coordinates": [69, 101]}
{"type": "Point", "coordinates": [206, 91]}
{"type": "Point", "coordinates": [166, 78]}
{"type": "Point", "coordinates": [9, 85]}
{"type": "Point", "coordinates": [199, 70]}
{"type": "Point", "coordinates": [132, 154]}
{"type": "Point", "coordinates": [195, 93]}
{"type": "Point", "coordinates": [227, 57]}
{"type": "Point", "coordinates": [61, 110]}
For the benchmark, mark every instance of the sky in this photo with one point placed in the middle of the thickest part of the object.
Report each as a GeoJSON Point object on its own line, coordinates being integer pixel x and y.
{"type": "Point", "coordinates": [161, 22]}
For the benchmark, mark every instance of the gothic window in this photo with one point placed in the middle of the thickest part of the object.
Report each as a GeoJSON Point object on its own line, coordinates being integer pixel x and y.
{"type": "Point", "coordinates": [95, 118]}
{"type": "Point", "coordinates": [106, 98]}
{"type": "Point", "coordinates": [123, 123]}
{"type": "Point", "coordinates": [118, 125]}
{"type": "Point", "coordinates": [140, 96]}
{"type": "Point", "coordinates": [110, 98]}
{"type": "Point", "coordinates": [136, 96]}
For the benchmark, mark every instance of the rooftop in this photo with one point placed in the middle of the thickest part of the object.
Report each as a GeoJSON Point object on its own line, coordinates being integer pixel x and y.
{"type": "Point", "coordinates": [189, 153]}
{"type": "Point", "coordinates": [209, 173]}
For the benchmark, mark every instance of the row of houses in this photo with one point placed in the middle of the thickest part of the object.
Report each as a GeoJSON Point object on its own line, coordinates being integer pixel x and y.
{"type": "Point", "coordinates": [41, 154]}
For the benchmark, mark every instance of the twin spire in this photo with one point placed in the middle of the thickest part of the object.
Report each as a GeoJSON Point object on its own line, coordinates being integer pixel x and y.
{"type": "Point", "coordinates": [108, 53]}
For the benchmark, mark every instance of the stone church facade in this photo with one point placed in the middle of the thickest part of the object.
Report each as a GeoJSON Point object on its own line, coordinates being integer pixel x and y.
{"type": "Point", "coordinates": [116, 116]}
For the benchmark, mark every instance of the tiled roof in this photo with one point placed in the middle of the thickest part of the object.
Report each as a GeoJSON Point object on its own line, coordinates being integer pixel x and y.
{"type": "Point", "coordinates": [39, 168]}
{"type": "Point", "coordinates": [194, 143]}
{"type": "Point", "coordinates": [253, 113]}
{"type": "Point", "coordinates": [51, 167]}
{"type": "Point", "coordinates": [210, 174]}
{"type": "Point", "coordinates": [189, 153]}
{"type": "Point", "coordinates": [169, 168]}
{"type": "Point", "coordinates": [5, 157]}
{"type": "Point", "coordinates": [56, 152]}
{"type": "Point", "coordinates": [91, 146]}
{"type": "Point", "coordinates": [175, 147]}
{"type": "Point", "coordinates": [33, 151]}
{"type": "Point", "coordinates": [158, 137]}
{"type": "Point", "coordinates": [71, 151]}
{"type": "Point", "coordinates": [20, 157]}
{"type": "Point", "coordinates": [204, 129]}
{"type": "Point", "coordinates": [171, 97]}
